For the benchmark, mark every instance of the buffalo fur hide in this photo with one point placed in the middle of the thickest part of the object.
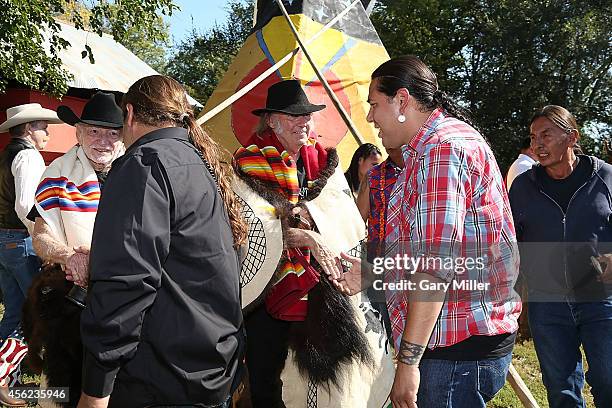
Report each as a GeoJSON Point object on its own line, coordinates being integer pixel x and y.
{"type": "Point", "coordinates": [330, 336]}
{"type": "Point", "coordinates": [281, 204]}
{"type": "Point", "coordinates": [51, 329]}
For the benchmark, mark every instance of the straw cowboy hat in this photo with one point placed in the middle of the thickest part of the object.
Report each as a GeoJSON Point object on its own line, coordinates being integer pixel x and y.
{"type": "Point", "coordinates": [265, 243]}
{"type": "Point", "coordinates": [30, 112]}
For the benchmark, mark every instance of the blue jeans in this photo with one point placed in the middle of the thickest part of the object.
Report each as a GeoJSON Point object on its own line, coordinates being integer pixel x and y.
{"type": "Point", "coordinates": [18, 266]}
{"type": "Point", "coordinates": [558, 330]}
{"type": "Point", "coordinates": [461, 384]}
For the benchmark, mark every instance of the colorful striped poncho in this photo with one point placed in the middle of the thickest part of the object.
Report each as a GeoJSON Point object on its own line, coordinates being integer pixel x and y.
{"type": "Point", "coordinates": [67, 198]}
{"type": "Point", "coordinates": [276, 170]}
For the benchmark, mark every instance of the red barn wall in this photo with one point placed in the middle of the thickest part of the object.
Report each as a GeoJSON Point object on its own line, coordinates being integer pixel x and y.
{"type": "Point", "coordinates": [62, 135]}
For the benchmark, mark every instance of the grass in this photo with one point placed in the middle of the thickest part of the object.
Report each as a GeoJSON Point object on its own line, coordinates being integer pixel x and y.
{"type": "Point", "coordinates": [526, 363]}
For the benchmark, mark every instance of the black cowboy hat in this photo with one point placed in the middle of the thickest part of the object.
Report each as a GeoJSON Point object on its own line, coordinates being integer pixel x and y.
{"type": "Point", "coordinates": [100, 110]}
{"type": "Point", "coordinates": [288, 97]}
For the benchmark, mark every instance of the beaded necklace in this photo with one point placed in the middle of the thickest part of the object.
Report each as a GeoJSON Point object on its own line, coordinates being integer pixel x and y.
{"type": "Point", "coordinates": [383, 199]}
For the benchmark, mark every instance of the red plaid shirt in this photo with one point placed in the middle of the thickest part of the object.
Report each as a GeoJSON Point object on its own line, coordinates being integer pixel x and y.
{"type": "Point", "coordinates": [450, 205]}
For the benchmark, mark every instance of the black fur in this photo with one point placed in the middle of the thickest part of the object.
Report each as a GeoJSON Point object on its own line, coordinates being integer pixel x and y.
{"type": "Point", "coordinates": [51, 327]}
{"type": "Point", "coordinates": [324, 175]}
{"type": "Point", "coordinates": [329, 337]}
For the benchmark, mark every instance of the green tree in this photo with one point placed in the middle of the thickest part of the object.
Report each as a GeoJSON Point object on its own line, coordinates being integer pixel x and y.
{"type": "Point", "coordinates": [200, 61]}
{"type": "Point", "coordinates": [504, 59]}
{"type": "Point", "coordinates": [150, 50]}
{"type": "Point", "coordinates": [25, 25]}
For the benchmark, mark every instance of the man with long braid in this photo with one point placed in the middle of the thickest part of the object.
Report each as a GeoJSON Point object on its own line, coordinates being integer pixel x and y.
{"type": "Point", "coordinates": [449, 223]}
{"type": "Point", "coordinates": [163, 322]}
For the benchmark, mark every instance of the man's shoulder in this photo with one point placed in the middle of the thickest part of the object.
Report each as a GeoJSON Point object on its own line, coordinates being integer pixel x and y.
{"type": "Point", "coordinates": [443, 144]}
{"type": "Point", "coordinates": [377, 169]}
{"type": "Point", "coordinates": [167, 152]}
{"type": "Point", "coordinates": [523, 163]}
{"type": "Point", "coordinates": [451, 126]}
{"type": "Point", "coordinates": [29, 158]}
{"type": "Point", "coordinates": [524, 183]}
{"type": "Point", "coordinates": [603, 172]}
{"type": "Point", "coordinates": [28, 153]}
{"type": "Point", "coordinates": [603, 168]}
{"type": "Point", "coordinates": [456, 135]}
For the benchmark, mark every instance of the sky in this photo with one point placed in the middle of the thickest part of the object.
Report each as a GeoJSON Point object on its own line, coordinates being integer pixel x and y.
{"type": "Point", "coordinates": [204, 13]}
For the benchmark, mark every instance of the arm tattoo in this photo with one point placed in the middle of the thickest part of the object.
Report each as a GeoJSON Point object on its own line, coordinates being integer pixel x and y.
{"type": "Point", "coordinates": [410, 353]}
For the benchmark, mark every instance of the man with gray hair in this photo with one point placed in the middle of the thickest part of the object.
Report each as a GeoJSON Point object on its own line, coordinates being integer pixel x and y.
{"type": "Point", "coordinates": [65, 205]}
{"type": "Point", "coordinates": [21, 166]}
{"type": "Point", "coordinates": [68, 194]}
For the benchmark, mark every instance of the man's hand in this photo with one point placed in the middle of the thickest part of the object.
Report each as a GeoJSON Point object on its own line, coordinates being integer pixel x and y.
{"type": "Point", "coordinates": [405, 386]}
{"type": "Point", "coordinates": [606, 277]}
{"type": "Point", "coordinates": [324, 256]}
{"type": "Point", "coordinates": [87, 401]}
{"type": "Point", "coordinates": [299, 238]}
{"type": "Point", "coordinates": [77, 266]}
{"type": "Point", "coordinates": [350, 282]}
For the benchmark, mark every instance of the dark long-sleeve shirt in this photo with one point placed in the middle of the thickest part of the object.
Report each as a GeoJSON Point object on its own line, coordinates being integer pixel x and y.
{"type": "Point", "coordinates": [163, 318]}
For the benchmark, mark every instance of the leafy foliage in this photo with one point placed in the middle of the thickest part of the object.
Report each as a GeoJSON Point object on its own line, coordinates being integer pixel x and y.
{"type": "Point", "coordinates": [150, 50]}
{"type": "Point", "coordinates": [29, 39]}
{"type": "Point", "coordinates": [200, 61]}
{"type": "Point", "coordinates": [507, 58]}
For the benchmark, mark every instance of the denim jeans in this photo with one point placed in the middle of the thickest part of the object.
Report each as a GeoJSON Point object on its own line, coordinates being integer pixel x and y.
{"type": "Point", "coordinates": [18, 266]}
{"type": "Point", "coordinates": [461, 384]}
{"type": "Point", "coordinates": [558, 330]}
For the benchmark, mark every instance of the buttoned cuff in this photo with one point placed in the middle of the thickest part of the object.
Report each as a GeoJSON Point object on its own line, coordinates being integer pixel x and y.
{"type": "Point", "coordinates": [98, 379]}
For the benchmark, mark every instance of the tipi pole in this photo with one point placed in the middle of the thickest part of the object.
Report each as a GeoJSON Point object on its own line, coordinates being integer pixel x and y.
{"type": "Point", "coordinates": [345, 117]}
{"type": "Point", "coordinates": [370, 7]}
{"type": "Point", "coordinates": [245, 89]}
{"type": "Point", "coordinates": [520, 389]}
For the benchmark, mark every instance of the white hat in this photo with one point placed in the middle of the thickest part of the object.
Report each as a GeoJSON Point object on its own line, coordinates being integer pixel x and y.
{"type": "Point", "coordinates": [30, 112]}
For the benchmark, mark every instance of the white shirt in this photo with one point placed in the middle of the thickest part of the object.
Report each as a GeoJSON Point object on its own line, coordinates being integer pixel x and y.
{"type": "Point", "coordinates": [27, 168]}
{"type": "Point", "coordinates": [520, 165]}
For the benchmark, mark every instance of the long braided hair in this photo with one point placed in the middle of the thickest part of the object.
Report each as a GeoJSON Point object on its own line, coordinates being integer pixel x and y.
{"type": "Point", "coordinates": [411, 73]}
{"type": "Point", "coordinates": [159, 100]}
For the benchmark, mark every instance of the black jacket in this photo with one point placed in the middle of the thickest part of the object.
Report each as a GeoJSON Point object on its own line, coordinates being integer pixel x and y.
{"type": "Point", "coordinates": [556, 246]}
{"type": "Point", "coordinates": [163, 312]}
